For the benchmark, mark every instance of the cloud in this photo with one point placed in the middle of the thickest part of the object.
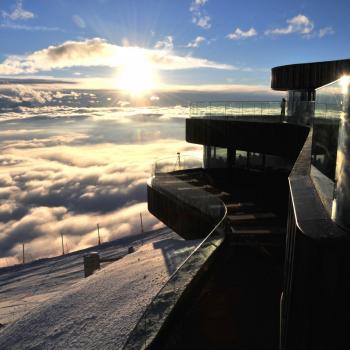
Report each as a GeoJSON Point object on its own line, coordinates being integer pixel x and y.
{"type": "Point", "coordinates": [240, 34]}
{"type": "Point", "coordinates": [299, 24]}
{"type": "Point", "coordinates": [325, 31]}
{"type": "Point", "coordinates": [19, 13]}
{"type": "Point", "coordinates": [66, 177]}
{"type": "Point", "coordinates": [166, 44]}
{"type": "Point", "coordinates": [199, 16]}
{"type": "Point", "coordinates": [35, 80]}
{"type": "Point", "coordinates": [29, 28]}
{"type": "Point", "coordinates": [123, 103]}
{"type": "Point", "coordinates": [78, 21]}
{"type": "Point", "coordinates": [98, 52]}
{"type": "Point", "coordinates": [69, 189]}
{"type": "Point", "coordinates": [154, 98]}
{"type": "Point", "coordinates": [196, 42]}
{"type": "Point", "coordinates": [25, 95]}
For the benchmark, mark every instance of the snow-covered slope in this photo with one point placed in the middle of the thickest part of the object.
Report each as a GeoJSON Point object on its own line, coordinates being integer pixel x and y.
{"type": "Point", "coordinates": [59, 309]}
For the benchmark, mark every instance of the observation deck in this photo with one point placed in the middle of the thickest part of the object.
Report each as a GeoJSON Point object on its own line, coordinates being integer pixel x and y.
{"type": "Point", "coordinates": [272, 266]}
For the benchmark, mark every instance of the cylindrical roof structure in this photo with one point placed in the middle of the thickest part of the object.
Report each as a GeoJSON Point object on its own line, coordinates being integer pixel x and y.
{"type": "Point", "coordinates": [308, 76]}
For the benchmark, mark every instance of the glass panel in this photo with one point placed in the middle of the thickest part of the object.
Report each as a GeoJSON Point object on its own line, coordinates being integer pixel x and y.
{"type": "Point", "coordinates": [300, 106]}
{"type": "Point", "coordinates": [218, 157]}
{"type": "Point", "coordinates": [221, 156]}
{"type": "Point", "coordinates": [170, 178]}
{"type": "Point", "coordinates": [241, 159]}
{"type": "Point", "coordinates": [277, 163]}
{"type": "Point", "coordinates": [235, 109]}
{"type": "Point", "coordinates": [255, 160]}
{"type": "Point", "coordinates": [329, 106]}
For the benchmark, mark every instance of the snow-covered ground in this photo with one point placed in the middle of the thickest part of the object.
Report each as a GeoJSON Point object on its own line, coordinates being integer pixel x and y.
{"type": "Point", "coordinates": [49, 305]}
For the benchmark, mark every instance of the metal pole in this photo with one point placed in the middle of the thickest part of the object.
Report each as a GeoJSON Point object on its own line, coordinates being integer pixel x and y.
{"type": "Point", "coordinates": [98, 234]}
{"type": "Point", "coordinates": [178, 160]}
{"type": "Point", "coordinates": [141, 222]}
{"type": "Point", "coordinates": [62, 243]}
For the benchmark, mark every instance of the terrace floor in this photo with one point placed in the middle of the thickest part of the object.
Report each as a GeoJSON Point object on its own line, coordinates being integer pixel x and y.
{"type": "Point", "coordinates": [256, 203]}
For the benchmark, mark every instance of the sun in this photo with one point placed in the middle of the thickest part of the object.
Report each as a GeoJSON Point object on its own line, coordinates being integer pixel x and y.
{"type": "Point", "coordinates": [136, 75]}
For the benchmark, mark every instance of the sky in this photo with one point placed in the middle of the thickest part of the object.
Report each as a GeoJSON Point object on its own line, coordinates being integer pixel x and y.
{"type": "Point", "coordinates": [193, 43]}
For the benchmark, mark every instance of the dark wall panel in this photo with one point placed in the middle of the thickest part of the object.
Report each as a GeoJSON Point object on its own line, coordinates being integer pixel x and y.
{"type": "Point", "coordinates": [280, 139]}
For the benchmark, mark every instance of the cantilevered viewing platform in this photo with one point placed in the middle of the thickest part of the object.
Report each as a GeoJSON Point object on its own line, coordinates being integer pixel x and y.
{"type": "Point", "coordinates": [270, 199]}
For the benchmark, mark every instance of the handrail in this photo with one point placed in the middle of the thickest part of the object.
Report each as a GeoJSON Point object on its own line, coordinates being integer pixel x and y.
{"type": "Point", "coordinates": [262, 108]}
{"type": "Point", "coordinates": [181, 162]}
{"type": "Point", "coordinates": [139, 325]}
{"type": "Point", "coordinates": [233, 101]}
{"type": "Point", "coordinates": [235, 108]}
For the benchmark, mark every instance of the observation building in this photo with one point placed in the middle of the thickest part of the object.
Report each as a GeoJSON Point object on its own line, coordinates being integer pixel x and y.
{"type": "Point", "coordinates": [269, 203]}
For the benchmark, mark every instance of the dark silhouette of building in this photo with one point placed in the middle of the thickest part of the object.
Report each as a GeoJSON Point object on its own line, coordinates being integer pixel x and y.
{"type": "Point", "coordinates": [271, 202]}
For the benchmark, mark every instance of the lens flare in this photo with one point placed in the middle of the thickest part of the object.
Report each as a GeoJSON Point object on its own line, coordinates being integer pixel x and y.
{"type": "Point", "coordinates": [345, 82]}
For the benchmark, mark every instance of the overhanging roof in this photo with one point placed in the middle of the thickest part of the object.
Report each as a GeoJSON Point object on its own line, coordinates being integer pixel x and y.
{"type": "Point", "coordinates": [308, 76]}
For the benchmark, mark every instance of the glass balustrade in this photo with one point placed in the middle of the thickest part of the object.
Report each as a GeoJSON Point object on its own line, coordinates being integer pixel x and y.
{"type": "Point", "coordinates": [235, 108]}
{"type": "Point", "coordinates": [172, 177]}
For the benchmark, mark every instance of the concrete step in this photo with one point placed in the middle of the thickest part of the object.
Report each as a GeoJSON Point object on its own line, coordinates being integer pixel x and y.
{"type": "Point", "coordinates": [267, 230]}
{"type": "Point", "coordinates": [252, 217]}
{"type": "Point", "coordinates": [240, 205]}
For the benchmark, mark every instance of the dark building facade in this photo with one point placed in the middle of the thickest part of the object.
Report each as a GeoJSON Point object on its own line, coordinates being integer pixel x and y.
{"type": "Point", "coordinates": [273, 192]}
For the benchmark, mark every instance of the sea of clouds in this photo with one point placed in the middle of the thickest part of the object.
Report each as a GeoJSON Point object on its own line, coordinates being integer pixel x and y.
{"type": "Point", "coordinates": [70, 159]}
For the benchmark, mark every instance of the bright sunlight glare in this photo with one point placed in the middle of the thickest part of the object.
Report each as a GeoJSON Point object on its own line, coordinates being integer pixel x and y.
{"type": "Point", "coordinates": [136, 76]}
{"type": "Point", "coordinates": [345, 82]}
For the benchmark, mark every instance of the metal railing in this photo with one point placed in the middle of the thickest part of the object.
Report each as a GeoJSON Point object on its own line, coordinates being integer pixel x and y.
{"type": "Point", "coordinates": [171, 164]}
{"type": "Point", "coordinates": [235, 108]}
{"type": "Point", "coordinates": [165, 170]}
{"type": "Point", "coordinates": [264, 108]}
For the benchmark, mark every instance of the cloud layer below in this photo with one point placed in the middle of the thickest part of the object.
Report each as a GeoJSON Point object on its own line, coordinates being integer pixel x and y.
{"type": "Point", "coordinates": [60, 172]}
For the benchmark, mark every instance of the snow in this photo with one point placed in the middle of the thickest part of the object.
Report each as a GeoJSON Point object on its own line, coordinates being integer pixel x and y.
{"type": "Point", "coordinates": [49, 305]}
